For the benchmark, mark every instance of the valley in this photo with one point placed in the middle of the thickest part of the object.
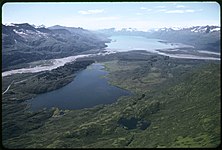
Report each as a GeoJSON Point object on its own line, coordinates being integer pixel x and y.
{"type": "Point", "coordinates": [24, 43]}
{"type": "Point", "coordinates": [121, 89]}
{"type": "Point", "coordinates": [151, 113]}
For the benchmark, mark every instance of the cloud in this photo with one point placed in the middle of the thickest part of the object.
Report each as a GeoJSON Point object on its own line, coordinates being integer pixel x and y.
{"type": "Point", "coordinates": [160, 7]}
{"type": "Point", "coordinates": [190, 10]}
{"type": "Point", "coordinates": [174, 3]}
{"type": "Point", "coordinates": [180, 6]}
{"type": "Point", "coordinates": [143, 8]}
{"type": "Point", "coordinates": [139, 13]}
{"type": "Point", "coordinates": [89, 12]}
{"type": "Point", "coordinates": [106, 18]}
{"type": "Point", "coordinates": [161, 10]}
{"type": "Point", "coordinates": [175, 11]}
{"type": "Point", "coordinates": [182, 11]}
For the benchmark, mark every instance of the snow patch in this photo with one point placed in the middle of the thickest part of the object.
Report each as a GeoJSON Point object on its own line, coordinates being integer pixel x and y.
{"type": "Point", "coordinates": [215, 29]}
{"type": "Point", "coordinates": [41, 33]}
{"type": "Point", "coordinates": [19, 32]}
{"type": "Point", "coordinates": [176, 28]}
{"type": "Point", "coordinates": [10, 24]}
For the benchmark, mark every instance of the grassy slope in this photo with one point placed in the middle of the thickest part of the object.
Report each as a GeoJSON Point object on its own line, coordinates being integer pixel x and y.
{"type": "Point", "coordinates": [183, 108]}
{"type": "Point", "coordinates": [190, 116]}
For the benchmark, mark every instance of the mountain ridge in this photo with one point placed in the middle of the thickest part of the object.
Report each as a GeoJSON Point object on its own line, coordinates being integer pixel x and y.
{"type": "Point", "coordinates": [209, 27]}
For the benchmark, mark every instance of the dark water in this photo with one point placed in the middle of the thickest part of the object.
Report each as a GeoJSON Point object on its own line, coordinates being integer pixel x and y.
{"type": "Point", "coordinates": [89, 88]}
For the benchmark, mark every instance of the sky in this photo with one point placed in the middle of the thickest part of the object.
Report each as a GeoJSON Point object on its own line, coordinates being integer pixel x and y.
{"type": "Point", "coordinates": [100, 15]}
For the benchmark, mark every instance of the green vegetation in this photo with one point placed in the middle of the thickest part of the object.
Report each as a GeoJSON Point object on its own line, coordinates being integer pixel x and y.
{"type": "Point", "coordinates": [17, 119]}
{"type": "Point", "coordinates": [176, 103]}
{"type": "Point", "coordinates": [46, 81]}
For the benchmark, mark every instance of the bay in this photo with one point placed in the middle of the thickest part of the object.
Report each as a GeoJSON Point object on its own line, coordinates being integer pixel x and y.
{"type": "Point", "coordinates": [124, 43]}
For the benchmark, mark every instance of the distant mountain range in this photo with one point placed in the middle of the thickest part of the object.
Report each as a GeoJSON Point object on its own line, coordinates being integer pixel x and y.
{"type": "Point", "coordinates": [197, 29]}
{"type": "Point", "coordinates": [22, 43]}
{"type": "Point", "coordinates": [201, 37]}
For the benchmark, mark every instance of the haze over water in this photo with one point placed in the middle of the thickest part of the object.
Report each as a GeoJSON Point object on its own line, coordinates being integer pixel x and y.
{"type": "Point", "coordinates": [122, 43]}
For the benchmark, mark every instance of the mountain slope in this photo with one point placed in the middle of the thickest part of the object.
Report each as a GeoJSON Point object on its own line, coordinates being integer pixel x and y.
{"type": "Point", "coordinates": [22, 43]}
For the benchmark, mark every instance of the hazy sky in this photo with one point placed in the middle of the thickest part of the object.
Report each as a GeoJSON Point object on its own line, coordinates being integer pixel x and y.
{"type": "Point", "coordinates": [97, 15]}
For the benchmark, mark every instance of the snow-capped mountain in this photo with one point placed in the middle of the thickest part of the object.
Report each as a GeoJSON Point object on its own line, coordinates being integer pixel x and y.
{"type": "Point", "coordinates": [129, 29]}
{"type": "Point", "coordinates": [196, 29]}
{"type": "Point", "coordinates": [205, 29]}
{"type": "Point", "coordinates": [26, 31]}
{"type": "Point", "coordinates": [38, 26]}
{"type": "Point", "coordinates": [201, 37]}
